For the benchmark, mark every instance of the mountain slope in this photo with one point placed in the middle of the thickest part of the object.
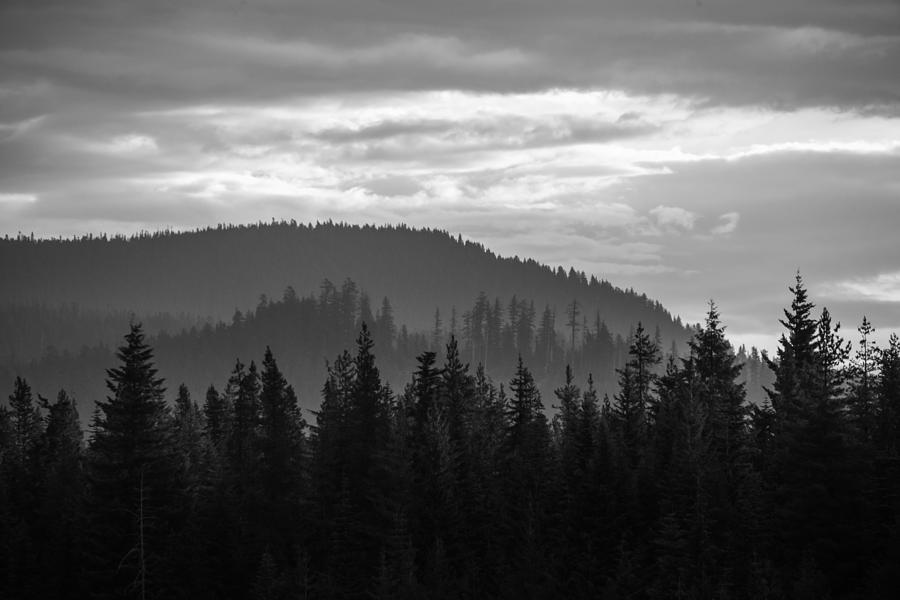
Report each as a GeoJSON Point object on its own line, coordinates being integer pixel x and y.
{"type": "Point", "coordinates": [212, 272]}
{"type": "Point", "coordinates": [497, 307]}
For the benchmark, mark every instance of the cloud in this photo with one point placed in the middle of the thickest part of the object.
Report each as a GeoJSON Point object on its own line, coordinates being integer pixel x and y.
{"type": "Point", "coordinates": [673, 218]}
{"type": "Point", "coordinates": [812, 53]}
{"type": "Point", "coordinates": [727, 223]}
{"type": "Point", "coordinates": [830, 214]}
{"type": "Point", "coordinates": [883, 287]}
{"type": "Point", "coordinates": [16, 199]}
{"type": "Point", "coordinates": [122, 144]}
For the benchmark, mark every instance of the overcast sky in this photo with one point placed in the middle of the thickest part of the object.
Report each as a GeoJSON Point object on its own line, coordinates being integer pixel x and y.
{"type": "Point", "coordinates": [691, 149]}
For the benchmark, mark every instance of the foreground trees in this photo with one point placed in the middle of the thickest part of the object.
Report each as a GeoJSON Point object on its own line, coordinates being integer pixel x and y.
{"type": "Point", "coordinates": [458, 487]}
{"type": "Point", "coordinates": [133, 477]}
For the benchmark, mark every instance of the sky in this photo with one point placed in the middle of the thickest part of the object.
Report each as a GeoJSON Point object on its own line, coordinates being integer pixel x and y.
{"type": "Point", "coordinates": [690, 149]}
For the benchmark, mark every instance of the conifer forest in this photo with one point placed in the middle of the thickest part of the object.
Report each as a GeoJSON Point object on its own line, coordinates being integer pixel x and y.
{"type": "Point", "coordinates": [457, 484]}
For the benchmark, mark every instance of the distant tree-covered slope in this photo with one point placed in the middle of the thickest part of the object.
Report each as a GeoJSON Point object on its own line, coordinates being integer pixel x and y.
{"type": "Point", "coordinates": [311, 331]}
{"type": "Point", "coordinates": [212, 272]}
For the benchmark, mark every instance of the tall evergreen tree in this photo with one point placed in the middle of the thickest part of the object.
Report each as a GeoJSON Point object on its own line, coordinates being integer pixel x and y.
{"type": "Point", "coordinates": [888, 440]}
{"type": "Point", "coordinates": [133, 473]}
{"type": "Point", "coordinates": [633, 402]}
{"type": "Point", "coordinates": [281, 462]}
{"type": "Point", "coordinates": [818, 474]}
{"type": "Point", "coordinates": [796, 358]}
{"type": "Point", "coordinates": [20, 478]}
{"type": "Point", "coordinates": [862, 400]}
{"type": "Point", "coordinates": [62, 503]}
{"type": "Point", "coordinates": [217, 411]}
{"type": "Point", "coordinates": [832, 364]}
{"type": "Point", "coordinates": [188, 431]}
{"type": "Point", "coordinates": [242, 393]}
{"type": "Point", "coordinates": [528, 484]}
{"type": "Point", "coordinates": [26, 424]}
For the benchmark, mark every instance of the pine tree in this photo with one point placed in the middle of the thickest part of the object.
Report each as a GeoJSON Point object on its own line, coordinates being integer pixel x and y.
{"type": "Point", "coordinates": [568, 420]}
{"type": "Point", "coordinates": [425, 392]}
{"type": "Point", "coordinates": [545, 350]}
{"type": "Point", "coordinates": [281, 428]}
{"type": "Point", "coordinates": [796, 359]}
{"type": "Point", "coordinates": [633, 402]}
{"type": "Point", "coordinates": [366, 443]}
{"type": "Point", "coordinates": [62, 505]}
{"type": "Point", "coordinates": [888, 440]}
{"type": "Point", "coordinates": [864, 370]}
{"type": "Point", "coordinates": [133, 474]}
{"type": "Point", "coordinates": [524, 405]}
{"type": "Point", "coordinates": [385, 330]}
{"type": "Point", "coordinates": [885, 578]}
{"type": "Point", "coordinates": [456, 389]}
{"type": "Point", "coordinates": [26, 425]}
{"type": "Point", "coordinates": [329, 481]}
{"type": "Point", "coordinates": [725, 460]}
{"type": "Point", "coordinates": [218, 420]}
{"type": "Point", "coordinates": [242, 393]}
{"type": "Point", "coordinates": [572, 311]}
{"type": "Point", "coordinates": [281, 462]}
{"type": "Point", "coordinates": [188, 431]}
{"type": "Point", "coordinates": [817, 473]}
{"type": "Point", "coordinates": [528, 485]}
{"type": "Point", "coordinates": [20, 490]}
{"type": "Point", "coordinates": [833, 355]}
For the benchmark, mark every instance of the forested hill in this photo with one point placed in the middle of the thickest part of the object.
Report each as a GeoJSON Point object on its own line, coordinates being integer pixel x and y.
{"type": "Point", "coordinates": [213, 272]}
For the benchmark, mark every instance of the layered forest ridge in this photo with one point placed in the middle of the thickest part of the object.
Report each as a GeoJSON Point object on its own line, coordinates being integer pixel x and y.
{"type": "Point", "coordinates": [460, 486]}
{"type": "Point", "coordinates": [214, 296]}
{"type": "Point", "coordinates": [484, 453]}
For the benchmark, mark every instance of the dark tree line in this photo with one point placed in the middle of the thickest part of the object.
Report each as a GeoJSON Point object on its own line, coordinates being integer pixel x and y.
{"type": "Point", "coordinates": [459, 487]}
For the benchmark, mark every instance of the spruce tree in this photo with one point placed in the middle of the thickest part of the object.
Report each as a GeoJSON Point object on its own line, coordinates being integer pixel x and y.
{"type": "Point", "coordinates": [817, 473]}
{"type": "Point", "coordinates": [862, 400]}
{"type": "Point", "coordinates": [188, 430]}
{"type": "Point", "coordinates": [62, 504]}
{"type": "Point", "coordinates": [795, 365]}
{"type": "Point", "coordinates": [20, 478]}
{"type": "Point", "coordinates": [528, 482]}
{"type": "Point", "coordinates": [133, 473]}
{"type": "Point", "coordinates": [888, 435]}
{"type": "Point", "coordinates": [26, 424]}
{"type": "Point", "coordinates": [281, 462]}
{"type": "Point", "coordinates": [632, 410]}
{"type": "Point", "coordinates": [218, 420]}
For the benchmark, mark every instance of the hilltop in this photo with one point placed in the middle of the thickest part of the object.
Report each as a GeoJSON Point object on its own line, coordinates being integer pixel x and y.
{"type": "Point", "coordinates": [213, 295]}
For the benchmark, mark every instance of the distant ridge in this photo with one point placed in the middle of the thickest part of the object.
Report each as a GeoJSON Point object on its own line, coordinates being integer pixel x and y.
{"type": "Point", "coordinates": [214, 271]}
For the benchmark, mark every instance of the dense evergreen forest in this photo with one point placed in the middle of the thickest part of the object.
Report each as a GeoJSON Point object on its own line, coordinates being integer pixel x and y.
{"type": "Point", "coordinates": [458, 484]}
